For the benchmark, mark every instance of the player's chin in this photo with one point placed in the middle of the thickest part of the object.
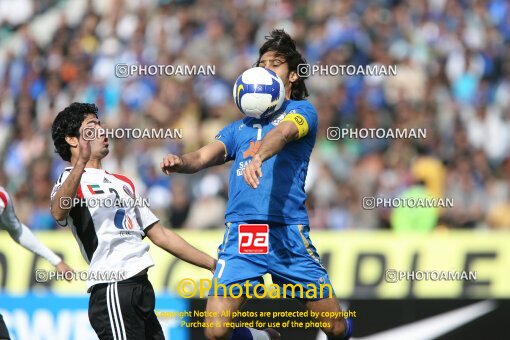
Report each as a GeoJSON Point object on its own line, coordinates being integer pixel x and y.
{"type": "Point", "coordinates": [105, 151]}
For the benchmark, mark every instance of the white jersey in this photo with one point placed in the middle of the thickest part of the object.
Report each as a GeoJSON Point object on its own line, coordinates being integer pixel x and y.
{"type": "Point", "coordinates": [20, 232]}
{"type": "Point", "coordinates": [109, 225]}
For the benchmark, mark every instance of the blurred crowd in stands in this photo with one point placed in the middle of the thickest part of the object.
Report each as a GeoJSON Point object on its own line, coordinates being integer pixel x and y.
{"type": "Point", "coordinates": [453, 67]}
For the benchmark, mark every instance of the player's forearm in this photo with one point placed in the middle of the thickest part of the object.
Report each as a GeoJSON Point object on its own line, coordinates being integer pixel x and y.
{"type": "Point", "coordinates": [195, 161]}
{"type": "Point", "coordinates": [68, 190]}
{"type": "Point", "coordinates": [178, 247]}
{"type": "Point", "coordinates": [272, 143]}
{"type": "Point", "coordinates": [191, 163]}
{"type": "Point", "coordinates": [27, 239]}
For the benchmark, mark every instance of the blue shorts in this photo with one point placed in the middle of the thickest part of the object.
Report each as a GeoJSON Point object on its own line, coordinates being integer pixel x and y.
{"type": "Point", "coordinates": [291, 259]}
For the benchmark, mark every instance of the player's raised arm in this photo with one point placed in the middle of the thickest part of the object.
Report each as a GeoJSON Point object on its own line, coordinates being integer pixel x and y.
{"type": "Point", "coordinates": [209, 155]}
{"type": "Point", "coordinates": [177, 246]}
{"type": "Point", "coordinates": [69, 187]}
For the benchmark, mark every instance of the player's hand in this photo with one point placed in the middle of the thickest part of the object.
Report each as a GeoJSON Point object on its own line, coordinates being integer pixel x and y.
{"type": "Point", "coordinates": [84, 148]}
{"type": "Point", "coordinates": [170, 164]}
{"type": "Point", "coordinates": [62, 267]}
{"type": "Point", "coordinates": [253, 171]}
{"type": "Point", "coordinates": [274, 335]}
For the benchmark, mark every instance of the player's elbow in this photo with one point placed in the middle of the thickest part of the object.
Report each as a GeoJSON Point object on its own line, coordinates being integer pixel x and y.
{"type": "Point", "coordinates": [59, 217]}
{"type": "Point", "coordinates": [167, 240]}
{"type": "Point", "coordinates": [58, 213]}
{"type": "Point", "coordinates": [15, 234]}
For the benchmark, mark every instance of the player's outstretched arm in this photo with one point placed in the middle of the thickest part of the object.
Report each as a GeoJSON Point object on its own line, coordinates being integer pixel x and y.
{"type": "Point", "coordinates": [70, 186]}
{"type": "Point", "coordinates": [209, 155]}
{"type": "Point", "coordinates": [25, 238]}
{"type": "Point", "coordinates": [177, 246]}
{"type": "Point", "coordinates": [271, 144]}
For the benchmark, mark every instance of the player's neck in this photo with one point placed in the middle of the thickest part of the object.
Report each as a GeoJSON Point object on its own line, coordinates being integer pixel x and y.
{"type": "Point", "coordinates": [288, 92]}
{"type": "Point", "coordinates": [92, 163]}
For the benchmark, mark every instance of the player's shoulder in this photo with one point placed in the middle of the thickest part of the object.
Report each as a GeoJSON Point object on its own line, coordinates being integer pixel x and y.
{"type": "Point", "coordinates": [124, 179]}
{"type": "Point", "coordinates": [4, 196]}
{"type": "Point", "coordinates": [237, 125]}
{"type": "Point", "coordinates": [63, 175]}
{"type": "Point", "coordinates": [301, 109]}
{"type": "Point", "coordinates": [300, 105]}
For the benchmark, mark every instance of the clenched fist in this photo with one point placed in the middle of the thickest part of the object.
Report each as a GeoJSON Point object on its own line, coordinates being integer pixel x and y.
{"type": "Point", "coordinates": [171, 163]}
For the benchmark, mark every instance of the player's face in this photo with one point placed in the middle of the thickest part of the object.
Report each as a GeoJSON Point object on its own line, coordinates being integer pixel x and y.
{"type": "Point", "coordinates": [98, 140]}
{"type": "Point", "coordinates": [278, 65]}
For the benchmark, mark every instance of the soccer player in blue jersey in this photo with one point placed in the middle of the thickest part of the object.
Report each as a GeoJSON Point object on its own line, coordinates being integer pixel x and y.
{"type": "Point", "coordinates": [270, 161]}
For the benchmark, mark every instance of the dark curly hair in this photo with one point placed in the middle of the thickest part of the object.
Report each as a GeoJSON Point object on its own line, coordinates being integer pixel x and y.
{"type": "Point", "coordinates": [284, 46]}
{"type": "Point", "coordinates": [67, 124]}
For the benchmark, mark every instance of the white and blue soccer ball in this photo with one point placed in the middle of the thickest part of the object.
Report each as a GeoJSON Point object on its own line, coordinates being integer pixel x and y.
{"type": "Point", "coordinates": [259, 92]}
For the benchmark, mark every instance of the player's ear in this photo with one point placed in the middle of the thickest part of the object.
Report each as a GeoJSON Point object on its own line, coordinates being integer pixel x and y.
{"type": "Point", "coordinates": [72, 141]}
{"type": "Point", "coordinates": [293, 76]}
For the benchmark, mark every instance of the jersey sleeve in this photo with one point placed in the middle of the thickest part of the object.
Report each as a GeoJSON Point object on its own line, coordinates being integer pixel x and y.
{"type": "Point", "coordinates": [11, 222]}
{"type": "Point", "coordinates": [227, 137]}
{"type": "Point", "coordinates": [28, 240]}
{"type": "Point", "coordinates": [145, 217]}
{"type": "Point", "coordinates": [3, 201]}
{"type": "Point", "coordinates": [304, 116]}
{"type": "Point", "coordinates": [61, 179]}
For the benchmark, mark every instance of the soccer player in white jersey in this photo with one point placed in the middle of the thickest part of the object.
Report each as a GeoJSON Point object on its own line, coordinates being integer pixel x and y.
{"type": "Point", "coordinates": [24, 237]}
{"type": "Point", "coordinates": [110, 237]}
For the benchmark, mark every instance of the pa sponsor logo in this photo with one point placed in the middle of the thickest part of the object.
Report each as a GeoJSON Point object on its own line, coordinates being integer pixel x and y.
{"type": "Point", "coordinates": [253, 239]}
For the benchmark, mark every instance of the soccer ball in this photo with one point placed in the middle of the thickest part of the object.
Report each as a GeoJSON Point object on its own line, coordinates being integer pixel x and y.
{"type": "Point", "coordinates": [259, 92]}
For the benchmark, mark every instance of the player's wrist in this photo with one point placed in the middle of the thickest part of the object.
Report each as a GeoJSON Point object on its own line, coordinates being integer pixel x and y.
{"type": "Point", "coordinates": [180, 165]}
{"type": "Point", "coordinates": [212, 266]}
{"type": "Point", "coordinates": [258, 158]}
{"type": "Point", "coordinates": [81, 163]}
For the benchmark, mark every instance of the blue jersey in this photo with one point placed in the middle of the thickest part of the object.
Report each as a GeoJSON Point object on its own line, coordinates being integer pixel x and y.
{"type": "Point", "coordinates": [280, 196]}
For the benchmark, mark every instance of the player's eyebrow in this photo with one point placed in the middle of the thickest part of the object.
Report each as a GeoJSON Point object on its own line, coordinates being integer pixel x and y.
{"type": "Point", "coordinates": [94, 121]}
{"type": "Point", "coordinates": [273, 59]}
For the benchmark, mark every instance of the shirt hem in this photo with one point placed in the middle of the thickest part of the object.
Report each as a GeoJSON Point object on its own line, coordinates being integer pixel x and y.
{"type": "Point", "coordinates": [268, 218]}
{"type": "Point", "coordinates": [128, 275]}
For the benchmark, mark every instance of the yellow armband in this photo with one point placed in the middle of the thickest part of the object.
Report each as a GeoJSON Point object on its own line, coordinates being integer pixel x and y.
{"type": "Point", "coordinates": [299, 121]}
